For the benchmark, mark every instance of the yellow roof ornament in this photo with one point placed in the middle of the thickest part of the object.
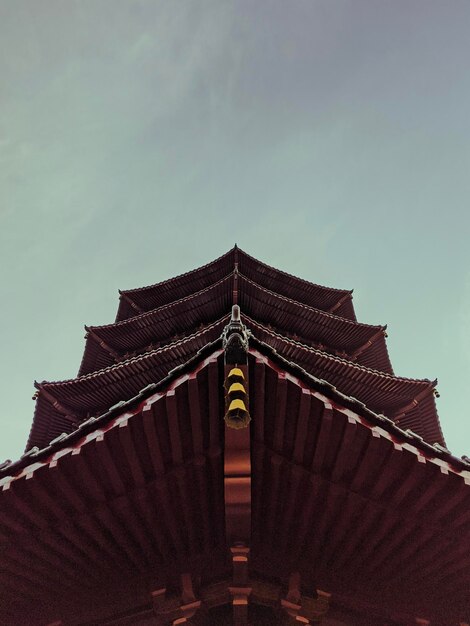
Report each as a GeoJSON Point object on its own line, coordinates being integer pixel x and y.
{"type": "Point", "coordinates": [237, 405]}
{"type": "Point", "coordinates": [236, 372]}
{"type": "Point", "coordinates": [236, 388]}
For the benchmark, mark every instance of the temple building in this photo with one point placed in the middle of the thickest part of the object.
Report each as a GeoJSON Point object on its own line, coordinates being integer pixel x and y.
{"type": "Point", "coordinates": [235, 449]}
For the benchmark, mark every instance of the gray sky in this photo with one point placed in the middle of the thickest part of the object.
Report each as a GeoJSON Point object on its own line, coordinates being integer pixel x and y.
{"type": "Point", "coordinates": [140, 139]}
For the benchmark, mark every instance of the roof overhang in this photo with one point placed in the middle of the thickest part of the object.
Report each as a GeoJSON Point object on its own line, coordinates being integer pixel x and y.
{"type": "Point", "coordinates": [338, 492]}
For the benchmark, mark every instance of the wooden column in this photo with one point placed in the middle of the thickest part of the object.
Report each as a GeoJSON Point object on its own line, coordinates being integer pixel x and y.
{"type": "Point", "coordinates": [237, 483]}
{"type": "Point", "coordinates": [237, 448]}
{"type": "Point", "coordinates": [240, 589]}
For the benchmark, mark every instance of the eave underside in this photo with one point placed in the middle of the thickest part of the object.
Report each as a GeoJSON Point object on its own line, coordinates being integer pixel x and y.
{"type": "Point", "coordinates": [141, 499]}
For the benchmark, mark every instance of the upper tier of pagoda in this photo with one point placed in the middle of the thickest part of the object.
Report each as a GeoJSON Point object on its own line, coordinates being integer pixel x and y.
{"type": "Point", "coordinates": [161, 326]}
{"type": "Point", "coordinates": [135, 301]}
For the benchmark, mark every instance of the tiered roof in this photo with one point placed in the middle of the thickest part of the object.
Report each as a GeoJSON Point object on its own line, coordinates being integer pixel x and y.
{"type": "Point", "coordinates": [309, 324]}
{"type": "Point", "coordinates": [135, 301]}
{"type": "Point", "coordinates": [122, 487]}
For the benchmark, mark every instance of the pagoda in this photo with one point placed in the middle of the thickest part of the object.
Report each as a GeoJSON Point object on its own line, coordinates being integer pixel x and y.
{"type": "Point", "coordinates": [235, 449]}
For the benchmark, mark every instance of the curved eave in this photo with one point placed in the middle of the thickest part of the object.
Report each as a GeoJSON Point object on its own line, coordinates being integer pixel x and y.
{"type": "Point", "coordinates": [60, 406]}
{"type": "Point", "coordinates": [143, 299]}
{"type": "Point", "coordinates": [160, 294]}
{"type": "Point", "coordinates": [362, 342]}
{"type": "Point", "coordinates": [159, 326]}
{"type": "Point", "coordinates": [264, 354]}
{"type": "Point", "coordinates": [328, 299]}
{"type": "Point", "coordinates": [358, 497]}
{"type": "Point", "coordinates": [409, 400]}
{"type": "Point", "coordinates": [379, 518]}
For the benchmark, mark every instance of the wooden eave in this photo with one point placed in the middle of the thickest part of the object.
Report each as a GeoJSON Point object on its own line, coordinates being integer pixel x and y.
{"type": "Point", "coordinates": [123, 503]}
{"type": "Point", "coordinates": [167, 291]}
{"type": "Point", "coordinates": [135, 301]}
{"type": "Point", "coordinates": [359, 510]}
{"type": "Point", "coordinates": [410, 400]}
{"type": "Point", "coordinates": [335, 334]}
{"type": "Point", "coordinates": [160, 325]}
{"type": "Point", "coordinates": [326, 299]}
{"type": "Point", "coordinates": [91, 394]}
{"type": "Point", "coordinates": [338, 492]}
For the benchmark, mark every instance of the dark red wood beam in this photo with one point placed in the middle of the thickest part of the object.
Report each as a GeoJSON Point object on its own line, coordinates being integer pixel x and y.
{"type": "Point", "coordinates": [101, 342]}
{"type": "Point", "coordinates": [342, 300]}
{"type": "Point", "coordinates": [241, 589]}
{"type": "Point", "coordinates": [365, 346]}
{"type": "Point", "coordinates": [54, 548]}
{"type": "Point", "coordinates": [402, 411]}
{"type": "Point", "coordinates": [126, 298]}
{"type": "Point", "coordinates": [237, 465]}
{"type": "Point", "coordinates": [67, 413]}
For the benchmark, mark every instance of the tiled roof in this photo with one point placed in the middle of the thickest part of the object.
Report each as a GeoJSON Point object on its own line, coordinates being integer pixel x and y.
{"type": "Point", "coordinates": [302, 321]}
{"type": "Point", "coordinates": [337, 301]}
{"type": "Point", "coordinates": [159, 326]}
{"type": "Point", "coordinates": [336, 334]}
{"type": "Point", "coordinates": [363, 342]}
{"type": "Point", "coordinates": [317, 296]}
{"type": "Point", "coordinates": [148, 298]}
{"type": "Point", "coordinates": [381, 392]}
{"type": "Point", "coordinates": [60, 406]}
{"type": "Point", "coordinates": [348, 465]}
{"type": "Point", "coordinates": [409, 403]}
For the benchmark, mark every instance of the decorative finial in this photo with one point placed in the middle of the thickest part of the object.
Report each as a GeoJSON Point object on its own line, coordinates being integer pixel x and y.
{"type": "Point", "coordinates": [235, 339]}
{"type": "Point", "coordinates": [237, 414]}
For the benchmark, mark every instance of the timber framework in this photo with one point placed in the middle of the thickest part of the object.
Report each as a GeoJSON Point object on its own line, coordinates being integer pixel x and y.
{"type": "Point", "coordinates": [236, 449]}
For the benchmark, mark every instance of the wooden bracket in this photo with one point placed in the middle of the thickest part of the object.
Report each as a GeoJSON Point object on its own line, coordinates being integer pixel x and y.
{"type": "Point", "coordinates": [170, 611]}
{"type": "Point", "coordinates": [303, 609]}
